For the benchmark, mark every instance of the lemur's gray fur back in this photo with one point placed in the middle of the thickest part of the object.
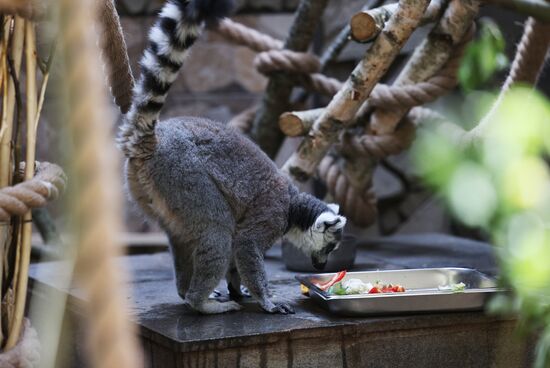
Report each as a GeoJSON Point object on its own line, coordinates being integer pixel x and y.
{"type": "Point", "coordinates": [219, 198]}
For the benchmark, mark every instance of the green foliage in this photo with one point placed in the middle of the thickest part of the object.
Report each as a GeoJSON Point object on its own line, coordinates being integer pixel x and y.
{"type": "Point", "coordinates": [483, 57]}
{"type": "Point", "coordinates": [503, 186]}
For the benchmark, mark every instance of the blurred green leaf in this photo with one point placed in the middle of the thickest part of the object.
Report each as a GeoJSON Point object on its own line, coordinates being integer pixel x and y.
{"type": "Point", "coordinates": [483, 57]}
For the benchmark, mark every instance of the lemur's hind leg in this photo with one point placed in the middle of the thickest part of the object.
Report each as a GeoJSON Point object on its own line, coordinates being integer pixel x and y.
{"type": "Point", "coordinates": [182, 255]}
{"type": "Point", "coordinates": [211, 258]}
{"type": "Point", "coordinates": [236, 290]}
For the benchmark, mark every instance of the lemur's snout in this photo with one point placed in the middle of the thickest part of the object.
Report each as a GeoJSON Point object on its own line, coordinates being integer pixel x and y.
{"type": "Point", "coordinates": [318, 265]}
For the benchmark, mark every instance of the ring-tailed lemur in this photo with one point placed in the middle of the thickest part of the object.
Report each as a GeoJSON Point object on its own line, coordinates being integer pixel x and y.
{"type": "Point", "coordinates": [219, 198]}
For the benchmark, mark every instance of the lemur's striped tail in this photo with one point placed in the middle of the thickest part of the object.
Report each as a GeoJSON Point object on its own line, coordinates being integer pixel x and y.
{"type": "Point", "coordinates": [178, 26]}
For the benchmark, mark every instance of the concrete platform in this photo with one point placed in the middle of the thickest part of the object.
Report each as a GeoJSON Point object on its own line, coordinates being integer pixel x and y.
{"type": "Point", "coordinates": [175, 336]}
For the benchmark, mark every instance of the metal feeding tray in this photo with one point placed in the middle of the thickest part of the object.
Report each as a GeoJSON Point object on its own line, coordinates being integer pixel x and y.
{"type": "Point", "coordinates": [422, 293]}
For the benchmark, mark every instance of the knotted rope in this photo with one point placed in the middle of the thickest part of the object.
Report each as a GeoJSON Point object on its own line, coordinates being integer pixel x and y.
{"type": "Point", "coordinates": [375, 147]}
{"type": "Point", "coordinates": [110, 337]}
{"type": "Point", "coordinates": [360, 206]}
{"type": "Point", "coordinates": [30, 9]}
{"type": "Point", "coordinates": [246, 36]}
{"type": "Point", "coordinates": [48, 183]}
{"type": "Point", "coordinates": [26, 353]}
{"type": "Point", "coordinates": [115, 54]}
{"type": "Point", "coordinates": [286, 60]}
{"type": "Point", "coordinates": [378, 146]}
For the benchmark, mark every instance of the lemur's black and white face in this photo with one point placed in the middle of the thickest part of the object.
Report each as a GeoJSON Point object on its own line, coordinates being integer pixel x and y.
{"type": "Point", "coordinates": [322, 237]}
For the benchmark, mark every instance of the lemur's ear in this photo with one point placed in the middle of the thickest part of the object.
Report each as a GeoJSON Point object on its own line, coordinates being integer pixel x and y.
{"type": "Point", "coordinates": [329, 221]}
{"type": "Point", "coordinates": [336, 224]}
{"type": "Point", "coordinates": [334, 207]}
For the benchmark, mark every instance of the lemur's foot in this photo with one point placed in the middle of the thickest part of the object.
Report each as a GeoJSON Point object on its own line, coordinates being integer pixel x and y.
{"type": "Point", "coordinates": [239, 294]}
{"type": "Point", "coordinates": [280, 308]}
{"type": "Point", "coordinates": [215, 307]}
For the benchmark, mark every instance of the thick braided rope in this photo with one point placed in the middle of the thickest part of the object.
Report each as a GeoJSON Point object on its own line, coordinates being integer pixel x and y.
{"type": "Point", "coordinates": [246, 36]}
{"type": "Point", "coordinates": [359, 206]}
{"type": "Point", "coordinates": [376, 147]}
{"type": "Point", "coordinates": [96, 208]}
{"type": "Point", "coordinates": [26, 353]}
{"type": "Point", "coordinates": [286, 60]}
{"type": "Point", "coordinates": [30, 9]}
{"type": "Point", "coordinates": [379, 146]}
{"type": "Point", "coordinates": [115, 54]}
{"type": "Point", "coordinates": [48, 183]}
{"type": "Point", "coordinates": [408, 96]}
{"type": "Point", "coordinates": [530, 54]}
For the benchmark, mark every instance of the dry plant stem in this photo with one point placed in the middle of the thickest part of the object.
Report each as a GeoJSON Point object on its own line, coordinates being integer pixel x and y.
{"type": "Point", "coordinates": [429, 57]}
{"type": "Point", "coordinates": [15, 53]}
{"type": "Point", "coordinates": [96, 207]}
{"type": "Point", "coordinates": [538, 9]}
{"type": "Point", "coordinates": [356, 89]}
{"type": "Point", "coordinates": [265, 130]}
{"type": "Point", "coordinates": [367, 24]}
{"type": "Point", "coordinates": [20, 288]}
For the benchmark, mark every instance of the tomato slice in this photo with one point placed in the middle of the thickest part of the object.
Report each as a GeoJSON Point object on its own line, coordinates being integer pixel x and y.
{"type": "Point", "coordinates": [388, 289]}
{"type": "Point", "coordinates": [398, 289]}
{"type": "Point", "coordinates": [338, 277]}
{"type": "Point", "coordinates": [374, 290]}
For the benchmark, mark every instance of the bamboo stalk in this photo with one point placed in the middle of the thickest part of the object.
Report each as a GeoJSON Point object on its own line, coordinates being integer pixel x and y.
{"type": "Point", "coordinates": [20, 288]}
{"type": "Point", "coordinates": [4, 238]}
{"type": "Point", "coordinates": [356, 89]}
{"type": "Point", "coordinates": [6, 163]}
{"type": "Point", "coordinates": [16, 54]}
{"type": "Point", "coordinates": [367, 24]}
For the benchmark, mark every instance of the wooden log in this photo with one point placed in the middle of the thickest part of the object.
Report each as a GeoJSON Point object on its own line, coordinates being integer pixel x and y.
{"type": "Point", "coordinates": [341, 110]}
{"type": "Point", "coordinates": [367, 24]}
{"type": "Point", "coordinates": [298, 123]}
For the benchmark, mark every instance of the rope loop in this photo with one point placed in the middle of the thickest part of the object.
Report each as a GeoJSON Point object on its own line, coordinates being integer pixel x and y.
{"type": "Point", "coordinates": [47, 185]}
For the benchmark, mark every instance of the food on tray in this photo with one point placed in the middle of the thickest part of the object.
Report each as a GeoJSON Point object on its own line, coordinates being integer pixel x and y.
{"type": "Point", "coordinates": [356, 286]}
{"type": "Point", "coordinates": [339, 276]}
{"type": "Point", "coordinates": [455, 288]}
{"type": "Point", "coordinates": [304, 290]}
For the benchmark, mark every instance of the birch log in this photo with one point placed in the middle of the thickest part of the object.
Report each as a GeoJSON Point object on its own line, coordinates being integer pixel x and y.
{"type": "Point", "coordinates": [429, 57]}
{"type": "Point", "coordinates": [356, 89]}
{"type": "Point", "coordinates": [367, 24]}
{"type": "Point", "coordinates": [298, 123]}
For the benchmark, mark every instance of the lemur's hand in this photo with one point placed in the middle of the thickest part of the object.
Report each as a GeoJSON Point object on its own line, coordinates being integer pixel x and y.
{"type": "Point", "coordinates": [279, 308]}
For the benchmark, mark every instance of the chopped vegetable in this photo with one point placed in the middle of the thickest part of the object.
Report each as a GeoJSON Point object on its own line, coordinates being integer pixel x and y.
{"type": "Point", "coordinates": [337, 289]}
{"type": "Point", "coordinates": [357, 286]}
{"type": "Point", "coordinates": [339, 276]}
{"type": "Point", "coordinates": [455, 288]}
{"type": "Point", "coordinates": [304, 290]}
